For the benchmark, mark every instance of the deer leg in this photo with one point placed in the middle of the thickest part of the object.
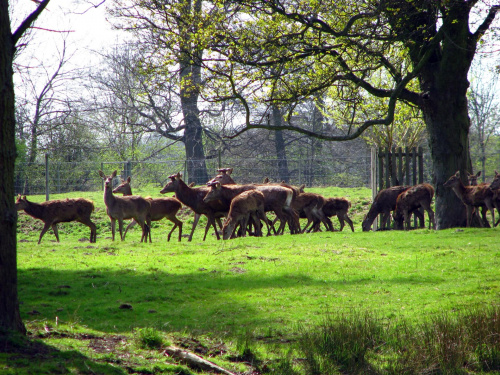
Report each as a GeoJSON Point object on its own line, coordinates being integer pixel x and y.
{"type": "Point", "coordinates": [56, 231]}
{"type": "Point", "coordinates": [44, 230]}
{"type": "Point", "coordinates": [120, 228]}
{"type": "Point", "coordinates": [113, 225]}
{"type": "Point", "coordinates": [469, 216]}
{"type": "Point", "coordinates": [131, 224]}
{"type": "Point", "coordinates": [349, 221]}
{"type": "Point", "coordinates": [93, 228]}
{"type": "Point", "coordinates": [195, 223]}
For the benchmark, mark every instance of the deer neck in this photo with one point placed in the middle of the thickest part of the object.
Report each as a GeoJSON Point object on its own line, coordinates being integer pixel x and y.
{"type": "Point", "coordinates": [35, 210]}
{"type": "Point", "coordinates": [109, 197]}
{"type": "Point", "coordinates": [461, 191]}
{"type": "Point", "coordinates": [185, 194]}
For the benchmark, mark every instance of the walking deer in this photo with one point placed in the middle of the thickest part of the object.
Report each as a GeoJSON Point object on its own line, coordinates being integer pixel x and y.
{"type": "Point", "coordinates": [410, 201]}
{"type": "Point", "coordinates": [193, 198]}
{"type": "Point", "coordinates": [245, 205]}
{"type": "Point", "coordinates": [384, 203]}
{"type": "Point", "coordinates": [123, 208]}
{"type": "Point", "coordinates": [472, 196]}
{"type": "Point", "coordinates": [310, 206]}
{"type": "Point", "coordinates": [160, 208]}
{"type": "Point", "coordinates": [339, 207]}
{"type": "Point", "coordinates": [59, 211]}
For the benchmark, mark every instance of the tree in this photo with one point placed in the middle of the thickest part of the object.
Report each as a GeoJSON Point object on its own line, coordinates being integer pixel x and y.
{"type": "Point", "coordinates": [10, 319]}
{"type": "Point", "coordinates": [169, 29]}
{"type": "Point", "coordinates": [290, 50]}
{"type": "Point", "coordinates": [484, 108]}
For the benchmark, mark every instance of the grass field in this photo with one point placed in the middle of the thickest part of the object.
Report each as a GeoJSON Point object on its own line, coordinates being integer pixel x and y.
{"type": "Point", "coordinates": [247, 303]}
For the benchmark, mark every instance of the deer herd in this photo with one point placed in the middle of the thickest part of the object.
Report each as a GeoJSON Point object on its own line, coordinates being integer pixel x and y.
{"type": "Point", "coordinates": [244, 207]}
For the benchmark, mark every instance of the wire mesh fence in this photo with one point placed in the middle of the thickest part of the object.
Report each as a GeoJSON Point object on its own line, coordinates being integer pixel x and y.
{"type": "Point", "coordinates": [59, 177]}
{"type": "Point", "coordinates": [54, 177]}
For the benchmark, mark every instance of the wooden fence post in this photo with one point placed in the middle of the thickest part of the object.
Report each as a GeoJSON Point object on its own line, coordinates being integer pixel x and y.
{"type": "Point", "coordinates": [373, 181]}
{"type": "Point", "coordinates": [46, 177]}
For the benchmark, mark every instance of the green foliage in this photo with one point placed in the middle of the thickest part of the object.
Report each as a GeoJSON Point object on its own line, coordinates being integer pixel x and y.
{"type": "Point", "coordinates": [149, 338]}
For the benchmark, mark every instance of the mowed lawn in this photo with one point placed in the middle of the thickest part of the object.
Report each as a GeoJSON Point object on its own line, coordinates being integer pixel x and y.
{"type": "Point", "coordinates": [263, 286]}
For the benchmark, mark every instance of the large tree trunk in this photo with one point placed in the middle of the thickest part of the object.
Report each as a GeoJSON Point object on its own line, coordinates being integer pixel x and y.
{"type": "Point", "coordinates": [193, 133]}
{"type": "Point", "coordinates": [444, 83]}
{"type": "Point", "coordinates": [279, 143]}
{"type": "Point", "coordinates": [10, 319]}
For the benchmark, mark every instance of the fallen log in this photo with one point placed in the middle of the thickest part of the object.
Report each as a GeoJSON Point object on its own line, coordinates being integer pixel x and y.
{"type": "Point", "coordinates": [195, 361]}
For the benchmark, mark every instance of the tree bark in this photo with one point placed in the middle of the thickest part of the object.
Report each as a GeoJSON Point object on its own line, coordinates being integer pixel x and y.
{"type": "Point", "coordinates": [10, 319]}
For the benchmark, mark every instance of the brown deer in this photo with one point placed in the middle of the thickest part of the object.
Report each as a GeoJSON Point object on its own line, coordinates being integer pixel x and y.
{"type": "Point", "coordinates": [224, 177]}
{"type": "Point", "coordinates": [277, 198]}
{"type": "Point", "coordinates": [160, 208]}
{"type": "Point", "coordinates": [384, 203]}
{"type": "Point", "coordinates": [310, 207]}
{"type": "Point", "coordinates": [248, 204]}
{"type": "Point", "coordinates": [338, 207]}
{"type": "Point", "coordinates": [410, 201]}
{"type": "Point", "coordinates": [59, 211]}
{"type": "Point", "coordinates": [193, 198]}
{"type": "Point", "coordinates": [472, 196]}
{"type": "Point", "coordinates": [124, 208]}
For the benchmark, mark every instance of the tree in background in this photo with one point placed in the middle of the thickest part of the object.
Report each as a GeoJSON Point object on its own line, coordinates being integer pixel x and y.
{"type": "Point", "coordinates": [484, 110]}
{"type": "Point", "coordinates": [270, 51]}
{"type": "Point", "coordinates": [168, 30]}
{"type": "Point", "coordinates": [10, 319]}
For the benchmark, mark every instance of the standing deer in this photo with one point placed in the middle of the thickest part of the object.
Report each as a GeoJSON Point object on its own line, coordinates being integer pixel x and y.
{"type": "Point", "coordinates": [310, 206]}
{"type": "Point", "coordinates": [384, 203]}
{"type": "Point", "coordinates": [193, 198]}
{"type": "Point", "coordinates": [411, 200]}
{"type": "Point", "coordinates": [160, 208]}
{"type": "Point", "coordinates": [248, 204]}
{"type": "Point", "coordinates": [59, 211]}
{"type": "Point", "coordinates": [123, 208]}
{"type": "Point", "coordinates": [339, 207]}
{"type": "Point", "coordinates": [472, 196]}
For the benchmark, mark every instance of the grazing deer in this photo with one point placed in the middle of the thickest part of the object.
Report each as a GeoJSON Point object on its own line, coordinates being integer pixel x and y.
{"type": "Point", "coordinates": [384, 203]}
{"type": "Point", "coordinates": [339, 207]}
{"type": "Point", "coordinates": [160, 208]}
{"type": "Point", "coordinates": [123, 208]}
{"type": "Point", "coordinates": [411, 200]}
{"type": "Point", "coordinates": [472, 196]}
{"type": "Point", "coordinates": [193, 198]}
{"type": "Point", "coordinates": [59, 211]}
{"type": "Point", "coordinates": [248, 204]}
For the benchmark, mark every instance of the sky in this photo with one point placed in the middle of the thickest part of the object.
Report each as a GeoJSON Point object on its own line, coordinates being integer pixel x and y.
{"type": "Point", "coordinates": [87, 26]}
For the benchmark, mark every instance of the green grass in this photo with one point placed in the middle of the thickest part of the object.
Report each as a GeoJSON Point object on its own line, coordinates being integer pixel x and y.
{"type": "Point", "coordinates": [257, 297]}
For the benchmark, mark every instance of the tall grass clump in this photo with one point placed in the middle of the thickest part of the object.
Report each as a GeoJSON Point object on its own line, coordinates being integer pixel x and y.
{"type": "Point", "coordinates": [341, 344]}
{"type": "Point", "coordinates": [149, 338]}
{"type": "Point", "coordinates": [447, 343]}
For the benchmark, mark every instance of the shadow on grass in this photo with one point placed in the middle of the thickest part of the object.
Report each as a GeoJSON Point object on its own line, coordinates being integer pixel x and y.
{"type": "Point", "coordinates": [22, 355]}
{"type": "Point", "coordinates": [206, 301]}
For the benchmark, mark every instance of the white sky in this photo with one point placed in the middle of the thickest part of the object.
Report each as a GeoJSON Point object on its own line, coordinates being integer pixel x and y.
{"type": "Point", "coordinates": [88, 26]}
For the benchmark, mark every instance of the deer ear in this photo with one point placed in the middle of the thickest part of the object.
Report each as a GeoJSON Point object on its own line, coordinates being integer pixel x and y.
{"type": "Point", "coordinates": [102, 174]}
{"type": "Point", "coordinates": [129, 179]}
{"type": "Point", "coordinates": [496, 173]}
{"type": "Point", "coordinates": [24, 197]}
{"type": "Point", "coordinates": [179, 175]}
{"type": "Point", "coordinates": [457, 174]}
{"type": "Point", "coordinates": [478, 174]}
{"type": "Point", "coordinates": [301, 188]}
{"type": "Point", "coordinates": [113, 175]}
{"type": "Point", "coordinates": [229, 170]}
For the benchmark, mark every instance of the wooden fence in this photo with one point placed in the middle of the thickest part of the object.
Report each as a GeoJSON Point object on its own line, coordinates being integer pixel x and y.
{"type": "Point", "coordinates": [393, 167]}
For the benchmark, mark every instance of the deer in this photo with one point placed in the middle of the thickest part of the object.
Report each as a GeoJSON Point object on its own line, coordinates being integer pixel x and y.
{"type": "Point", "coordinates": [338, 207]}
{"type": "Point", "coordinates": [123, 208]}
{"type": "Point", "coordinates": [277, 198]}
{"type": "Point", "coordinates": [310, 206]}
{"type": "Point", "coordinates": [193, 198]}
{"type": "Point", "coordinates": [160, 208]}
{"type": "Point", "coordinates": [472, 196]}
{"type": "Point", "coordinates": [409, 201]}
{"type": "Point", "coordinates": [247, 204]}
{"type": "Point", "coordinates": [59, 211]}
{"type": "Point", "coordinates": [384, 203]}
{"type": "Point", "coordinates": [224, 177]}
